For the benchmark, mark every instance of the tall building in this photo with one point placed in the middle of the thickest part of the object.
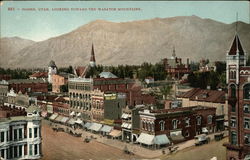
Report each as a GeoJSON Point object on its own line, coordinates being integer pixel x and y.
{"type": "Point", "coordinates": [52, 70]}
{"type": "Point", "coordinates": [92, 57]}
{"type": "Point", "coordinates": [20, 133]}
{"type": "Point", "coordinates": [238, 80]}
{"type": "Point", "coordinates": [174, 66]}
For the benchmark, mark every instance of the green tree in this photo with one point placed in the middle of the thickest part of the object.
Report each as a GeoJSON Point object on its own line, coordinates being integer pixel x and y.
{"type": "Point", "coordinates": [165, 91]}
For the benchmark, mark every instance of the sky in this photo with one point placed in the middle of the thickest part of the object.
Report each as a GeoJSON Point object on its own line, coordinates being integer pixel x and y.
{"type": "Point", "coordinates": [20, 19]}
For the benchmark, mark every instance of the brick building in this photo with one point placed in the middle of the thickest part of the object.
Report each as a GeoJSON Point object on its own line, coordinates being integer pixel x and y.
{"type": "Point", "coordinates": [28, 85]}
{"type": "Point", "coordinates": [59, 80]}
{"type": "Point", "coordinates": [238, 80]}
{"type": "Point", "coordinates": [38, 75]}
{"type": "Point", "coordinates": [177, 124]}
{"type": "Point", "coordinates": [174, 66]}
{"type": "Point", "coordinates": [210, 98]}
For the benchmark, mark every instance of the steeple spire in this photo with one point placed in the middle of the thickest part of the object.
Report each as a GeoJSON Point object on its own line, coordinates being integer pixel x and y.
{"type": "Point", "coordinates": [92, 57]}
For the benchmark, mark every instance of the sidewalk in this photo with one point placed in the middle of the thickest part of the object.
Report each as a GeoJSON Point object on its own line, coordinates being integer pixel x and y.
{"type": "Point", "coordinates": [134, 148]}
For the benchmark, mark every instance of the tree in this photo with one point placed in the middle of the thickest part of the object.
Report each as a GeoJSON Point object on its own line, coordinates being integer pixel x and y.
{"type": "Point", "coordinates": [165, 91]}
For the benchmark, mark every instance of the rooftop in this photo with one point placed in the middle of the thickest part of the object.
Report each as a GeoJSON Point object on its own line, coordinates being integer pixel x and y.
{"type": "Point", "coordinates": [15, 81]}
{"type": "Point", "coordinates": [107, 75]}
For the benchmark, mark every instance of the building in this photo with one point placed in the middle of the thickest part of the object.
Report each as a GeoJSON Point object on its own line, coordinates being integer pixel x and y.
{"type": "Point", "coordinates": [113, 105]}
{"type": "Point", "coordinates": [37, 75]}
{"type": "Point", "coordinates": [175, 125]}
{"type": "Point", "coordinates": [174, 66]}
{"type": "Point", "coordinates": [58, 81]}
{"type": "Point", "coordinates": [20, 133]}
{"type": "Point", "coordinates": [5, 77]}
{"type": "Point", "coordinates": [52, 70]}
{"type": "Point", "coordinates": [18, 100]}
{"type": "Point", "coordinates": [210, 98]}
{"type": "Point", "coordinates": [206, 66]}
{"type": "Point", "coordinates": [97, 105]}
{"type": "Point", "coordinates": [238, 80]}
{"type": "Point", "coordinates": [28, 85]}
{"type": "Point", "coordinates": [3, 91]}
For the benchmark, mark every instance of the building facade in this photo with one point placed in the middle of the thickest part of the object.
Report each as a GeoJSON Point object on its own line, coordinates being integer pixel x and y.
{"type": "Point", "coordinates": [178, 124]}
{"type": "Point", "coordinates": [58, 80]}
{"type": "Point", "coordinates": [238, 80]}
{"type": "Point", "coordinates": [174, 66]}
{"type": "Point", "coordinates": [28, 85]}
{"type": "Point", "coordinates": [52, 70]}
{"type": "Point", "coordinates": [3, 91]}
{"type": "Point", "coordinates": [20, 133]}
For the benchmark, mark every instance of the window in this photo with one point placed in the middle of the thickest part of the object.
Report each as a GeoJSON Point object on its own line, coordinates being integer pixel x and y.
{"type": "Point", "coordinates": [246, 91]}
{"type": "Point", "coordinates": [149, 126]}
{"type": "Point", "coordinates": [233, 122]}
{"type": "Point", "coordinates": [186, 134]}
{"type": "Point", "coordinates": [175, 123]}
{"type": "Point", "coordinates": [246, 123]}
{"type": "Point", "coordinates": [15, 134]}
{"type": "Point", "coordinates": [2, 136]}
{"type": "Point", "coordinates": [30, 132]}
{"type": "Point", "coordinates": [233, 138]}
{"type": "Point", "coordinates": [187, 122]}
{"type": "Point", "coordinates": [15, 151]}
{"type": "Point", "coordinates": [35, 132]}
{"type": "Point", "coordinates": [20, 151]}
{"type": "Point", "coordinates": [35, 149]}
{"type": "Point", "coordinates": [20, 133]}
{"type": "Point", "coordinates": [2, 153]}
{"type": "Point", "coordinates": [209, 119]}
{"type": "Point", "coordinates": [162, 127]}
{"type": "Point", "coordinates": [247, 139]}
{"type": "Point", "coordinates": [233, 91]}
{"type": "Point", "coordinates": [30, 150]}
{"type": "Point", "coordinates": [198, 120]}
{"type": "Point", "coordinates": [233, 109]}
{"type": "Point", "coordinates": [246, 108]}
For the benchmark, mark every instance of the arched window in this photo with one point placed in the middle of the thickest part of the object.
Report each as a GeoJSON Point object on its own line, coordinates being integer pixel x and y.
{"type": "Point", "coordinates": [74, 95]}
{"type": "Point", "coordinates": [233, 90]}
{"type": "Point", "coordinates": [198, 120]}
{"type": "Point", "coordinates": [149, 127]}
{"type": "Point", "coordinates": [175, 123]}
{"type": "Point", "coordinates": [80, 96]}
{"type": "Point", "coordinates": [209, 119]}
{"type": "Point", "coordinates": [246, 91]}
{"type": "Point", "coordinates": [162, 127]}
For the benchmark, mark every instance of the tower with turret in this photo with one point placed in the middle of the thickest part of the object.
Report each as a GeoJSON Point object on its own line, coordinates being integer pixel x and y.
{"type": "Point", "coordinates": [52, 70]}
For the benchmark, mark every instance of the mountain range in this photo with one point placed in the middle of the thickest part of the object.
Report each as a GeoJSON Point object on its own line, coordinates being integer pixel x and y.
{"type": "Point", "coordinates": [132, 42]}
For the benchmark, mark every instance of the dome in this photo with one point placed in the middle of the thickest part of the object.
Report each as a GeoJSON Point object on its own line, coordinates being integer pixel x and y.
{"type": "Point", "coordinates": [52, 64]}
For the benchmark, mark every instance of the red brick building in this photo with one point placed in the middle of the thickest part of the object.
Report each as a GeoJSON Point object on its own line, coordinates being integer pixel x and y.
{"type": "Point", "coordinates": [174, 66]}
{"type": "Point", "coordinates": [28, 85]}
{"type": "Point", "coordinates": [238, 80]}
{"type": "Point", "coordinates": [178, 124]}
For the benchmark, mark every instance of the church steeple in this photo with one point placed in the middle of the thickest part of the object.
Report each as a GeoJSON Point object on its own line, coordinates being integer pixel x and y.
{"type": "Point", "coordinates": [173, 54]}
{"type": "Point", "coordinates": [92, 57]}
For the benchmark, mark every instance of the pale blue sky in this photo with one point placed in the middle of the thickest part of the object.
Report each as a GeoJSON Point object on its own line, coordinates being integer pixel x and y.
{"type": "Point", "coordinates": [41, 25]}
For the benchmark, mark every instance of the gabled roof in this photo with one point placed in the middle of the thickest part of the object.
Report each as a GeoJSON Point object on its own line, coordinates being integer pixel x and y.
{"type": "Point", "coordinates": [236, 47]}
{"type": "Point", "coordinates": [206, 95]}
{"type": "Point", "coordinates": [107, 75]}
{"type": "Point", "coordinates": [40, 75]}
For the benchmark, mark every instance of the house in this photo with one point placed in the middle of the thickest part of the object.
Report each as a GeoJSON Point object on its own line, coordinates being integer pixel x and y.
{"type": "Point", "coordinates": [210, 98]}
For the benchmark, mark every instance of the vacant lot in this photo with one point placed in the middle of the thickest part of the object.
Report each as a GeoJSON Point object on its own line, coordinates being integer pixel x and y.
{"type": "Point", "coordinates": [62, 146]}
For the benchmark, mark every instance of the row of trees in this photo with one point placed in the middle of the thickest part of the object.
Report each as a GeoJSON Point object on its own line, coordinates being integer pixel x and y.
{"type": "Point", "coordinates": [16, 73]}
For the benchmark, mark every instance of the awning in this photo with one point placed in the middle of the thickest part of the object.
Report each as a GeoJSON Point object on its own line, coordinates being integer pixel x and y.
{"type": "Point", "coordinates": [124, 115]}
{"type": "Point", "coordinates": [115, 133]}
{"type": "Point", "coordinates": [72, 113]}
{"type": "Point", "coordinates": [59, 118]}
{"type": "Point", "coordinates": [204, 130]}
{"type": "Point", "coordinates": [247, 157]}
{"type": "Point", "coordinates": [71, 121]}
{"type": "Point", "coordinates": [177, 137]}
{"type": "Point", "coordinates": [78, 114]}
{"type": "Point", "coordinates": [87, 125]}
{"type": "Point", "coordinates": [44, 114]}
{"type": "Point", "coordinates": [64, 119]}
{"type": "Point", "coordinates": [126, 125]}
{"type": "Point", "coordinates": [106, 129]}
{"type": "Point", "coordinates": [146, 139]}
{"type": "Point", "coordinates": [53, 116]}
{"type": "Point", "coordinates": [78, 121]}
{"type": "Point", "coordinates": [95, 127]}
{"type": "Point", "coordinates": [161, 139]}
